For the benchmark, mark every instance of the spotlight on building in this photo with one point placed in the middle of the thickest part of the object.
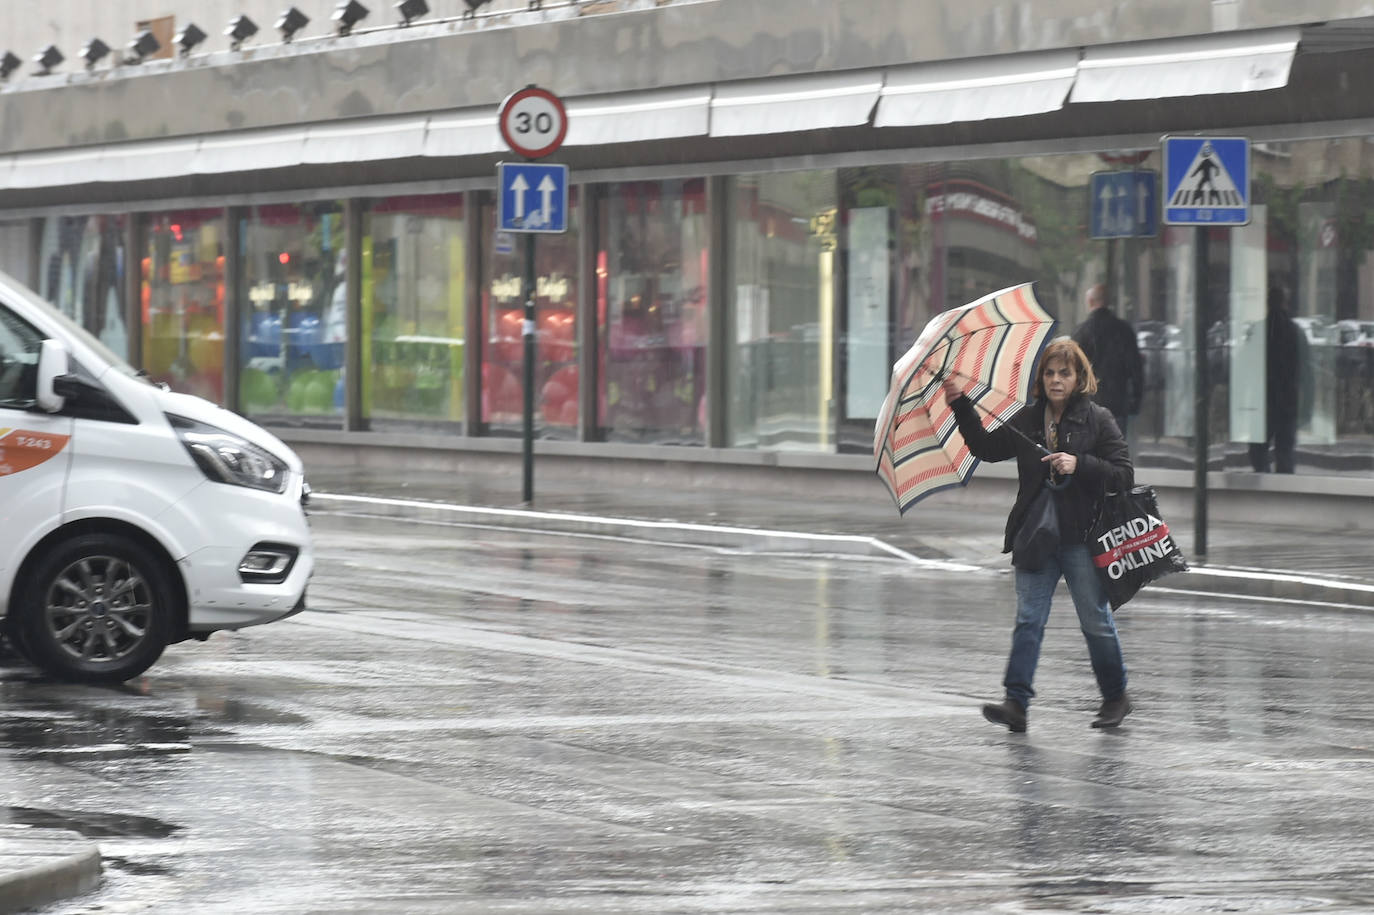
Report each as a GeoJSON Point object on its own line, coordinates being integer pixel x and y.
{"type": "Point", "coordinates": [48, 58]}
{"type": "Point", "coordinates": [411, 10]}
{"type": "Point", "coordinates": [536, 4]}
{"type": "Point", "coordinates": [348, 14]}
{"type": "Point", "coordinates": [291, 22]}
{"type": "Point", "coordinates": [188, 38]}
{"type": "Point", "coordinates": [473, 6]}
{"type": "Point", "coordinates": [241, 28]}
{"type": "Point", "coordinates": [143, 45]}
{"type": "Point", "coordinates": [8, 64]}
{"type": "Point", "coordinates": [93, 51]}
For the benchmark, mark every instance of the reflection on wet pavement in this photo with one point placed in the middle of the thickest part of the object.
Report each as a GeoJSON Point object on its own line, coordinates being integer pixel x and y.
{"type": "Point", "coordinates": [478, 721]}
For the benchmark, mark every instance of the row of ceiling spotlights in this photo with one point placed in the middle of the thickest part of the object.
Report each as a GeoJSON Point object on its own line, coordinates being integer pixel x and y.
{"type": "Point", "coordinates": [345, 16]}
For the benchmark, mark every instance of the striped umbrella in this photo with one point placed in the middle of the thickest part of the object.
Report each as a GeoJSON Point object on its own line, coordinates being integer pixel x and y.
{"type": "Point", "coordinates": [990, 349]}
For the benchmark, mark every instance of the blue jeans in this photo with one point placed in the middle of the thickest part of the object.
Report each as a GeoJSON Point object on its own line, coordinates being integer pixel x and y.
{"type": "Point", "coordinates": [1033, 593]}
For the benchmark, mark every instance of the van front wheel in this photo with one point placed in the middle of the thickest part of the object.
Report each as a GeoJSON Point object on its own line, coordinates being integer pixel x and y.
{"type": "Point", "coordinates": [98, 609]}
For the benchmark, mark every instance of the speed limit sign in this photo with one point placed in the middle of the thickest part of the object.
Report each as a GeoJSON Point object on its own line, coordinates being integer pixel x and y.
{"type": "Point", "coordinates": [533, 122]}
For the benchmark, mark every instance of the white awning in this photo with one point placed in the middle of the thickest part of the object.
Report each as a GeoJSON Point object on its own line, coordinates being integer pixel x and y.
{"type": "Point", "coordinates": [788, 103]}
{"type": "Point", "coordinates": [656, 114]}
{"type": "Point", "coordinates": [146, 160]}
{"type": "Point", "coordinates": [468, 132]}
{"type": "Point", "coordinates": [365, 141]}
{"type": "Point", "coordinates": [976, 89]}
{"type": "Point", "coordinates": [55, 167]}
{"type": "Point", "coordinates": [1249, 61]}
{"type": "Point", "coordinates": [250, 150]}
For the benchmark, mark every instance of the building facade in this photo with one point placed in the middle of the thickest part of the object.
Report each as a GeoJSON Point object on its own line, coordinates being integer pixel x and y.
{"type": "Point", "coordinates": [770, 199]}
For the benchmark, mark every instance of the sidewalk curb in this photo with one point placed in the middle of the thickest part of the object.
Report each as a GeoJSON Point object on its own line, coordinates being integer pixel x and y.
{"type": "Point", "coordinates": [1224, 580]}
{"type": "Point", "coordinates": [42, 866]}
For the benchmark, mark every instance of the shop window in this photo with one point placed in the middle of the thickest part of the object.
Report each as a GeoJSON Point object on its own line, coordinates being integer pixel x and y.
{"type": "Point", "coordinates": [782, 318]}
{"type": "Point", "coordinates": [14, 250]}
{"type": "Point", "coordinates": [651, 288]}
{"type": "Point", "coordinates": [556, 374]}
{"type": "Point", "coordinates": [82, 263]}
{"type": "Point", "coordinates": [414, 267]}
{"type": "Point", "coordinates": [294, 320]}
{"type": "Point", "coordinates": [182, 305]}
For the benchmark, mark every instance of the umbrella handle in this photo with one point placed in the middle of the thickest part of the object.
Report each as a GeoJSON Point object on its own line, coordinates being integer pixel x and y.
{"type": "Point", "coordinates": [1038, 447]}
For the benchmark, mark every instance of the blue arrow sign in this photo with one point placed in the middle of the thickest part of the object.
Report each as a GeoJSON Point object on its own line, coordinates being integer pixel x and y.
{"type": "Point", "coordinates": [1206, 181]}
{"type": "Point", "coordinates": [533, 197]}
{"type": "Point", "coordinates": [1124, 204]}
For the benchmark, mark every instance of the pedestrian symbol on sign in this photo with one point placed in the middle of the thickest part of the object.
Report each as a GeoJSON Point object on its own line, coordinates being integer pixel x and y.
{"type": "Point", "coordinates": [1207, 183]}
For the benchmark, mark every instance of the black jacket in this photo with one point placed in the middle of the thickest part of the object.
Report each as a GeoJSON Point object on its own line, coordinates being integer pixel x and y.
{"type": "Point", "coordinates": [1110, 345]}
{"type": "Point", "coordinates": [1086, 430]}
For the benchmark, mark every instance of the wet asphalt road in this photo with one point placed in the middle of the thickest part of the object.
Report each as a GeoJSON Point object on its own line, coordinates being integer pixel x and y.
{"type": "Point", "coordinates": [481, 721]}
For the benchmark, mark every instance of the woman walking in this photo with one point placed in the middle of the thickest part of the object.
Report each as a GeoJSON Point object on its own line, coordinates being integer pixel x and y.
{"type": "Point", "coordinates": [1087, 457]}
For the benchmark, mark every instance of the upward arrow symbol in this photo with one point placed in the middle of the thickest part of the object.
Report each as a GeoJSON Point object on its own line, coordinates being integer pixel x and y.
{"type": "Point", "coordinates": [546, 189]}
{"type": "Point", "coordinates": [520, 185]}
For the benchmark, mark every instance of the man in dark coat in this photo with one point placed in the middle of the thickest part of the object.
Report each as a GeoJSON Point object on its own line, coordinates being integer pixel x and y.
{"type": "Point", "coordinates": [1110, 345]}
{"type": "Point", "coordinates": [1285, 363]}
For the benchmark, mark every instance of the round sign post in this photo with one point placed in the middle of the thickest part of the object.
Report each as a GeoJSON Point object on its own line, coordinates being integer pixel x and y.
{"type": "Point", "coordinates": [533, 123]}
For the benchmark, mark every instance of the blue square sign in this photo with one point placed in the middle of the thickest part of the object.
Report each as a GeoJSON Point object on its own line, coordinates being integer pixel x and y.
{"type": "Point", "coordinates": [1206, 181]}
{"type": "Point", "coordinates": [1124, 204]}
{"type": "Point", "coordinates": [533, 197]}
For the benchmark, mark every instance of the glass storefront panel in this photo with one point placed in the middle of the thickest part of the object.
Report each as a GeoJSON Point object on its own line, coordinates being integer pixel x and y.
{"type": "Point", "coordinates": [652, 281]}
{"type": "Point", "coordinates": [15, 240]}
{"type": "Point", "coordinates": [414, 269]}
{"type": "Point", "coordinates": [294, 319]}
{"type": "Point", "coordinates": [81, 269]}
{"type": "Point", "coordinates": [781, 324]}
{"type": "Point", "coordinates": [182, 305]}
{"type": "Point", "coordinates": [556, 376]}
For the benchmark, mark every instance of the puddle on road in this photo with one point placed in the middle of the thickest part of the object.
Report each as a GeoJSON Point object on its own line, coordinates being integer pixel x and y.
{"type": "Point", "coordinates": [90, 824]}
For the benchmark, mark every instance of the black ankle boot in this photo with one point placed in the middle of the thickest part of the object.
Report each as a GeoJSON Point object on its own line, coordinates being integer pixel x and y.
{"type": "Point", "coordinates": [1112, 712]}
{"type": "Point", "coordinates": [1009, 712]}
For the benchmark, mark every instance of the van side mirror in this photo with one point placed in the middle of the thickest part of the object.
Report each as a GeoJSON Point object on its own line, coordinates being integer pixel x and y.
{"type": "Point", "coordinates": [52, 362]}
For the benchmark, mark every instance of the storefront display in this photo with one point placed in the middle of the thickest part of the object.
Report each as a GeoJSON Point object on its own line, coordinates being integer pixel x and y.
{"type": "Point", "coordinates": [503, 314]}
{"type": "Point", "coordinates": [81, 269]}
{"type": "Point", "coordinates": [182, 303]}
{"type": "Point", "coordinates": [294, 322]}
{"type": "Point", "coordinates": [652, 311]}
{"type": "Point", "coordinates": [414, 289]}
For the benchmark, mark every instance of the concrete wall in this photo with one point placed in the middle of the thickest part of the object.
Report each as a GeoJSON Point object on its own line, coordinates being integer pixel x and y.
{"type": "Point", "coordinates": [589, 48]}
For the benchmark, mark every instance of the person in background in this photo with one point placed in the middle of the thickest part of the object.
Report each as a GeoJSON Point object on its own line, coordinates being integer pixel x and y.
{"type": "Point", "coordinates": [1087, 456]}
{"type": "Point", "coordinates": [1110, 344]}
{"type": "Point", "coordinates": [1285, 358]}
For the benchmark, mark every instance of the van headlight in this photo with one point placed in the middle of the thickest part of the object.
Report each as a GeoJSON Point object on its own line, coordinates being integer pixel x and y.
{"type": "Point", "coordinates": [227, 458]}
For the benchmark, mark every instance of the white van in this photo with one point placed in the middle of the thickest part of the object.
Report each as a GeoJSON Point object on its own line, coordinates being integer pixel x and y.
{"type": "Point", "coordinates": [131, 517]}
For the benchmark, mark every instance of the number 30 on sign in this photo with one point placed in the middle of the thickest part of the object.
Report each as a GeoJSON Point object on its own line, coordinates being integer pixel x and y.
{"type": "Point", "coordinates": [533, 122]}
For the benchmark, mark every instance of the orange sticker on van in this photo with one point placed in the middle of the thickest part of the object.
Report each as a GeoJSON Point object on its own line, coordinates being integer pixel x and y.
{"type": "Point", "coordinates": [21, 449]}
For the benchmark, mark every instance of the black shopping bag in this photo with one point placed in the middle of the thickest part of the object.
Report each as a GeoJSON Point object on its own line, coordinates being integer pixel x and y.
{"type": "Point", "coordinates": [1131, 544]}
{"type": "Point", "coordinates": [1037, 539]}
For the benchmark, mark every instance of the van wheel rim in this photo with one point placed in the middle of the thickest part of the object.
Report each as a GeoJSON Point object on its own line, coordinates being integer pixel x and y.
{"type": "Point", "coordinates": [98, 609]}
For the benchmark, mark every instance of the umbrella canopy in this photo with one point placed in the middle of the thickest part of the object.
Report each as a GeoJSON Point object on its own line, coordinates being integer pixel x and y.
{"type": "Point", "coordinates": [989, 348]}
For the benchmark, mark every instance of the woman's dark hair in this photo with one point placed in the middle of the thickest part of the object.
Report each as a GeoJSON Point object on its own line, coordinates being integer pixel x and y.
{"type": "Point", "coordinates": [1067, 349]}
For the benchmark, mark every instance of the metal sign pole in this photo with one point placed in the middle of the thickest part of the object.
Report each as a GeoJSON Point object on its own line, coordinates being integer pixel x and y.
{"type": "Point", "coordinates": [533, 122]}
{"type": "Point", "coordinates": [1201, 398]}
{"type": "Point", "coordinates": [528, 329]}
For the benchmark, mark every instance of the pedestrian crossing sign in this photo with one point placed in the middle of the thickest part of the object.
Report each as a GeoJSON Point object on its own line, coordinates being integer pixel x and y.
{"type": "Point", "coordinates": [1206, 181]}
